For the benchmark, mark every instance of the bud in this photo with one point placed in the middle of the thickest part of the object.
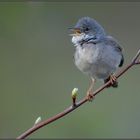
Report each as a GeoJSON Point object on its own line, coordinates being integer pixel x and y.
{"type": "Point", "coordinates": [74, 92]}
{"type": "Point", "coordinates": [38, 120]}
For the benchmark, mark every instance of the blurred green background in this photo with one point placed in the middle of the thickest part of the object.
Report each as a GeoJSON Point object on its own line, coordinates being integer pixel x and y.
{"type": "Point", "coordinates": [37, 72]}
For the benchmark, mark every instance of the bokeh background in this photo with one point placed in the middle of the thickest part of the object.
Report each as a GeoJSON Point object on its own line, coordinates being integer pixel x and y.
{"type": "Point", "coordinates": [37, 73]}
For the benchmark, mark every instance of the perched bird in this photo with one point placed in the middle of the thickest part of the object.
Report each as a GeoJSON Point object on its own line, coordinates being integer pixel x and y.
{"type": "Point", "coordinates": [97, 54]}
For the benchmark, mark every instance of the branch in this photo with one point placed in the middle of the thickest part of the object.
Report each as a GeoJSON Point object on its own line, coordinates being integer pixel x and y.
{"type": "Point", "coordinates": [75, 105]}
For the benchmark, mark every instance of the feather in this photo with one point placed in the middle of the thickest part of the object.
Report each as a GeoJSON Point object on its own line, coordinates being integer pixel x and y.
{"type": "Point", "coordinates": [113, 42]}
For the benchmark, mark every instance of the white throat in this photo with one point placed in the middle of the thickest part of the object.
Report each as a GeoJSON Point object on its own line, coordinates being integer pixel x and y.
{"type": "Point", "coordinates": [77, 39]}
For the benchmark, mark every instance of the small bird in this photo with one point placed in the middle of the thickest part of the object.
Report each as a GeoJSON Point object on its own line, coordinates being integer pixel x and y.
{"type": "Point", "coordinates": [96, 54]}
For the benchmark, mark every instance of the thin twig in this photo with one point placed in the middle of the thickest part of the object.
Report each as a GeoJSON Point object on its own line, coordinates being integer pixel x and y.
{"type": "Point", "coordinates": [136, 56]}
{"type": "Point", "coordinates": [84, 100]}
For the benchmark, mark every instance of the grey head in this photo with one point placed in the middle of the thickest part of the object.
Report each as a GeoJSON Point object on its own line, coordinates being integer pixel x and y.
{"type": "Point", "coordinates": [87, 28]}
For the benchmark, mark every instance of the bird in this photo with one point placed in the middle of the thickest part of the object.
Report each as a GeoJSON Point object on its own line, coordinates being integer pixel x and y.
{"type": "Point", "coordinates": [97, 54]}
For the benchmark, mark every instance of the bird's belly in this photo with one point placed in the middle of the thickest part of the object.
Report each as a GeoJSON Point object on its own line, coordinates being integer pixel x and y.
{"type": "Point", "coordinates": [93, 64]}
{"type": "Point", "coordinates": [98, 69]}
{"type": "Point", "coordinates": [101, 70]}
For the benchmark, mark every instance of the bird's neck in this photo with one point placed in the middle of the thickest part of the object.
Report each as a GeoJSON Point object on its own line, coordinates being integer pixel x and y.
{"type": "Point", "coordinates": [80, 40]}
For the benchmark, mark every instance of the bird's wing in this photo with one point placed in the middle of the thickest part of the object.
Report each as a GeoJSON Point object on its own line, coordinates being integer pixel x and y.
{"type": "Point", "coordinates": [112, 42]}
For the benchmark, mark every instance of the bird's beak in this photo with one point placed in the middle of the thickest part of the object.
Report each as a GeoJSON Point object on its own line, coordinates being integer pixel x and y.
{"type": "Point", "coordinates": [75, 31]}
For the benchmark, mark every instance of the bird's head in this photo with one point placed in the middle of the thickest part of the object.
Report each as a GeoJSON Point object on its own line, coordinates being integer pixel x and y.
{"type": "Point", "coordinates": [86, 28]}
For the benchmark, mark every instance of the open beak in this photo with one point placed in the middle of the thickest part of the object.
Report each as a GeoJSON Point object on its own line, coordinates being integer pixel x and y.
{"type": "Point", "coordinates": [75, 31]}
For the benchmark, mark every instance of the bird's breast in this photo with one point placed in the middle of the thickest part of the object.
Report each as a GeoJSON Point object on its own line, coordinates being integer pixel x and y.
{"type": "Point", "coordinates": [96, 60]}
{"type": "Point", "coordinates": [86, 56]}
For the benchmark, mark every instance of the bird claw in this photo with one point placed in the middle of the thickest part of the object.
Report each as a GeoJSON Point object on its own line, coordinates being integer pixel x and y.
{"type": "Point", "coordinates": [113, 79]}
{"type": "Point", "coordinates": [90, 96]}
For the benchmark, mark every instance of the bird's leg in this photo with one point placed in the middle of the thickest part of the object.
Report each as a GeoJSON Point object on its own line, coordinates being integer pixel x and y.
{"type": "Point", "coordinates": [90, 95]}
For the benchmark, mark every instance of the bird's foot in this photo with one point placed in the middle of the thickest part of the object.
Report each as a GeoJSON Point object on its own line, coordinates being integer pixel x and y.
{"type": "Point", "coordinates": [90, 96]}
{"type": "Point", "coordinates": [113, 81]}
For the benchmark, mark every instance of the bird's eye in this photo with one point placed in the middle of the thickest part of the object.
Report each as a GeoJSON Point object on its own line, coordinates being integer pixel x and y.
{"type": "Point", "coordinates": [87, 29]}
